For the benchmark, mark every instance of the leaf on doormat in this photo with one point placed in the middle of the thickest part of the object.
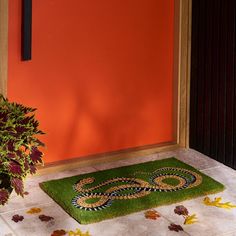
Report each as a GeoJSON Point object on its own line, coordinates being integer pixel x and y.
{"type": "Point", "coordinates": [181, 210]}
{"type": "Point", "coordinates": [26, 193]}
{"type": "Point", "coordinates": [34, 210]}
{"type": "Point", "coordinates": [217, 203]}
{"type": "Point", "coordinates": [78, 232]}
{"type": "Point", "coordinates": [151, 214]}
{"type": "Point", "coordinates": [17, 218]}
{"type": "Point", "coordinates": [190, 219]}
{"type": "Point", "coordinates": [45, 218]}
{"type": "Point", "coordinates": [174, 227]}
{"type": "Point", "coordinates": [60, 232]}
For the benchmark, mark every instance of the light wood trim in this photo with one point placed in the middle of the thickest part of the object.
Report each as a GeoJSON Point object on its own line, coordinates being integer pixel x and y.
{"type": "Point", "coordinates": [3, 46]}
{"type": "Point", "coordinates": [105, 158]}
{"type": "Point", "coordinates": [176, 70]}
{"type": "Point", "coordinates": [184, 71]}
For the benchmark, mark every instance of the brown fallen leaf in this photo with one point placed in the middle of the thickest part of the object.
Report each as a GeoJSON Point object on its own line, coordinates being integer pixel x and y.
{"type": "Point", "coordinates": [51, 223]}
{"type": "Point", "coordinates": [60, 232]}
{"type": "Point", "coordinates": [174, 227]}
{"type": "Point", "coordinates": [34, 210]}
{"type": "Point", "coordinates": [152, 214]}
{"type": "Point", "coordinates": [45, 218]}
{"type": "Point", "coordinates": [181, 210]}
{"type": "Point", "coordinates": [17, 218]}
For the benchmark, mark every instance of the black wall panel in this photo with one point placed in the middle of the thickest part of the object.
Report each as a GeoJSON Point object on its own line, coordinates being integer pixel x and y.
{"type": "Point", "coordinates": [213, 84]}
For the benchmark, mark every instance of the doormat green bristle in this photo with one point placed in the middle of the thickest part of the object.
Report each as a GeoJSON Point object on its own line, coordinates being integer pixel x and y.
{"type": "Point", "coordinates": [101, 195]}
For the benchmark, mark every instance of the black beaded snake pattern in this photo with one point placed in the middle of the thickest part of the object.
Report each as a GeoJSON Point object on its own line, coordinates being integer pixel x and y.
{"type": "Point", "coordinates": [91, 199]}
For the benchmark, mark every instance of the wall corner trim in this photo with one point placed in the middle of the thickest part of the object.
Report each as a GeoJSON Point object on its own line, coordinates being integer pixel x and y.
{"type": "Point", "coordinates": [184, 61]}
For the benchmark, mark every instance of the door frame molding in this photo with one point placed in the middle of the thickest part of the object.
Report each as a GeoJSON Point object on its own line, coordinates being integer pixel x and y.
{"type": "Point", "coordinates": [184, 70]}
{"type": "Point", "coordinates": [181, 71]}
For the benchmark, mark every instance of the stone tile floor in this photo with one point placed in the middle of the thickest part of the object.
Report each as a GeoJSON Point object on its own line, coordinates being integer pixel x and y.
{"type": "Point", "coordinates": [211, 220]}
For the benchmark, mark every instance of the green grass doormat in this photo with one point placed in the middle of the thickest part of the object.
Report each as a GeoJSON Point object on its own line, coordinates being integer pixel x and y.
{"type": "Point", "coordinates": [101, 195]}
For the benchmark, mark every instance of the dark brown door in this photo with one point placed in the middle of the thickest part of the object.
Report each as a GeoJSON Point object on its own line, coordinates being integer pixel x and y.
{"type": "Point", "coordinates": [213, 83]}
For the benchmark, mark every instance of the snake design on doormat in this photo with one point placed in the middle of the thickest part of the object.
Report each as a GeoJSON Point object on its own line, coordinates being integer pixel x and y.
{"type": "Point", "coordinates": [90, 199]}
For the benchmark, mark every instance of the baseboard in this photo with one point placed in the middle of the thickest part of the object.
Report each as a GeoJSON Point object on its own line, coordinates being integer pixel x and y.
{"type": "Point", "coordinates": [105, 157]}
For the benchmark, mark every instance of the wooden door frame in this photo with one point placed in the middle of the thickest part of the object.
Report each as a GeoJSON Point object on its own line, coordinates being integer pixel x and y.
{"type": "Point", "coordinates": [181, 74]}
{"type": "Point", "coordinates": [184, 64]}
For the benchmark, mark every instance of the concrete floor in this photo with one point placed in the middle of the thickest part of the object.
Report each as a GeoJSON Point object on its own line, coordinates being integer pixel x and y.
{"type": "Point", "coordinates": [211, 220]}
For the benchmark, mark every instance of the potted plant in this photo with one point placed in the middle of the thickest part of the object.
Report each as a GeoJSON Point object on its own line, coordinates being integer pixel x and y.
{"type": "Point", "coordinates": [19, 147]}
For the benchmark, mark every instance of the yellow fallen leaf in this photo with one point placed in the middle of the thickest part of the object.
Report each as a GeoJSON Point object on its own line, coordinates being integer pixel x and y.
{"type": "Point", "coordinates": [190, 219]}
{"type": "Point", "coordinates": [217, 203]}
{"type": "Point", "coordinates": [34, 210]}
{"type": "Point", "coordinates": [78, 232]}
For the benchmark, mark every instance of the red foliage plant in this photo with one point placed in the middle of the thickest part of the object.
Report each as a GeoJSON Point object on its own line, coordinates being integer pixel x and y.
{"type": "Point", "coordinates": [19, 146]}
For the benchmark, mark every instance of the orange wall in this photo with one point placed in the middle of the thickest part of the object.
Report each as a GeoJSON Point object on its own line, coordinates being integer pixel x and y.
{"type": "Point", "coordinates": [100, 76]}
